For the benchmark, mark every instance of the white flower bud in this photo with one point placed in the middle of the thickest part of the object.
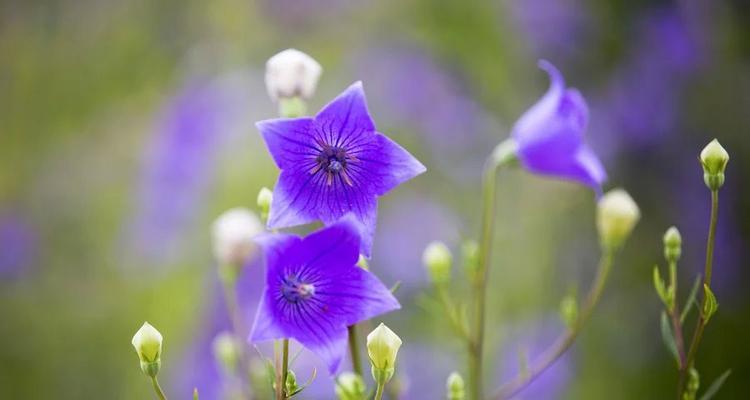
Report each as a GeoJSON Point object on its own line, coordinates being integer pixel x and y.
{"type": "Point", "coordinates": [292, 73]}
{"type": "Point", "coordinates": [714, 160]}
{"type": "Point", "coordinates": [382, 347]}
{"type": "Point", "coordinates": [437, 258]}
{"type": "Point", "coordinates": [147, 343]}
{"type": "Point", "coordinates": [265, 198]}
{"type": "Point", "coordinates": [455, 387]}
{"type": "Point", "coordinates": [226, 351]}
{"type": "Point", "coordinates": [233, 234]}
{"type": "Point", "coordinates": [616, 217]}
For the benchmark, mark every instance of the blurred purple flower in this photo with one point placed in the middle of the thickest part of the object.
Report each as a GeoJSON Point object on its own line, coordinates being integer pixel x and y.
{"type": "Point", "coordinates": [18, 244]}
{"type": "Point", "coordinates": [314, 290]}
{"type": "Point", "coordinates": [549, 135]}
{"type": "Point", "coordinates": [532, 339]}
{"type": "Point", "coordinates": [416, 91]}
{"type": "Point", "coordinates": [552, 28]}
{"type": "Point", "coordinates": [179, 166]}
{"type": "Point", "coordinates": [403, 234]}
{"type": "Point", "coordinates": [333, 164]}
{"type": "Point", "coordinates": [644, 96]}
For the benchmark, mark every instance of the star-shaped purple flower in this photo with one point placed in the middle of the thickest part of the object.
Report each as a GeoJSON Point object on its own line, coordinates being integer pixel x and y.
{"type": "Point", "coordinates": [334, 164]}
{"type": "Point", "coordinates": [549, 135]}
{"type": "Point", "coordinates": [314, 290]}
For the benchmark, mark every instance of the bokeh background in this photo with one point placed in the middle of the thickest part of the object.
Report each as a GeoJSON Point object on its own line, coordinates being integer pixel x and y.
{"type": "Point", "coordinates": [126, 127]}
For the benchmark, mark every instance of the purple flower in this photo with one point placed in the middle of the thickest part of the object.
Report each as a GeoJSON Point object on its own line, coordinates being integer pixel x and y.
{"type": "Point", "coordinates": [549, 135]}
{"type": "Point", "coordinates": [314, 290]}
{"type": "Point", "coordinates": [18, 244]}
{"type": "Point", "coordinates": [334, 164]}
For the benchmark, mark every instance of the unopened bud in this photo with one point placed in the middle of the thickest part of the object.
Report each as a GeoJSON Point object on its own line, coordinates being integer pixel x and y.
{"type": "Point", "coordinates": [226, 351]}
{"type": "Point", "coordinates": [292, 73]}
{"type": "Point", "coordinates": [233, 233]}
{"type": "Point", "coordinates": [362, 262]}
{"type": "Point", "coordinates": [291, 382]}
{"type": "Point", "coordinates": [147, 343]}
{"type": "Point", "coordinates": [350, 386]}
{"type": "Point", "coordinates": [437, 258]}
{"type": "Point", "coordinates": [265, 197]}
{"type": "Point", "coordinates": [672, 244]}
{"type": "Point", "coordinates": [454, 387]}
{"type": "Point", "coordinates": [714, 159]}
{"type": "Point", "coordinates": [616, 217]}
{"type": "Point", "coordinates": [382, 347]}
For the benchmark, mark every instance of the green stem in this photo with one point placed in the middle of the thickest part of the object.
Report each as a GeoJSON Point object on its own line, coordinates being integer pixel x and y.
{"type": "Point", "coordinates": [284, 368]}
{"type": "Point", "coordinates": [564, 341]}
{"type": "Point", "coordinates": [157, 389]}
{"type": "Point", "coordinates": [379, 391]}
{"type": "Point", "coordinates": [354, 350]}
{"type": "Point", "coordinates": [502, 155]}
{"type": "Point", "coordinates": [674, 314]}
{"type": "Point", "coordinates": [708, 269]}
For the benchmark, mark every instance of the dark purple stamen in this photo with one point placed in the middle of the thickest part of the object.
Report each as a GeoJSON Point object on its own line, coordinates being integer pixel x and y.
{"type": "Point", "coordinates": [294, 290]}
{"type": "Point", "coordinates": [333, 161]}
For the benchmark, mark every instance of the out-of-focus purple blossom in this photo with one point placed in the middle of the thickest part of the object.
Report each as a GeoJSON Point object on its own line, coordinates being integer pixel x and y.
{"type": "Point", "coordinates": [643, 98]}
{"type": "Point", "coordinates": [314, 290]}
{"type": "Point", "coordinates": [404, 232]}
{"type": "Point", "coordinates": [333, 164]}
{"type": "Point", "coordinates": [417, 92]}
{"type": "Point", "coordinates": [180, 162]}
{"type": "Point", "coordinates": [556, 29]}
{"type": "Point", "coordinates": [549, 135]}
{"type": "Point", "coordinates": [18, 245]}
{"type": "Point", "coordinates": [532, 339]}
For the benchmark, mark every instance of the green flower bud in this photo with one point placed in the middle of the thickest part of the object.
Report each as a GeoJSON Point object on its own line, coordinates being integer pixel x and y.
{"type": "Point", "coordinates": [672, 244]}
{"type": "Point", "coordinates": [454, 387]}
{"type": "Point", "coordinates": [362, 262]}
{"type": "Point", "coordinates": [350, 386]}
{"type": "Point", "coordinates": [616, 217]}
{"type": "Point", "coordinates": [291, 382]}
{"type": "Point", "coordinates": [265, 197]}
{"type": "Point", "coordinates": [437, 258]}
{"type": "Point", "coordinates": [147, 343]}
{"type": "Point", "coordinates": [226, 351]}
{"type": "Point", "coordinates": [714, 160]}
{"type": "Point", "coordinates": [382, 347]}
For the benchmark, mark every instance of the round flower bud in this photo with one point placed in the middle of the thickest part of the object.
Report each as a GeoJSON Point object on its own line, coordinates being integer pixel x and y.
{"type": "Point", "coordinates": [147, 343]}
{"type": "Point", "coordinates": [226, 351]}
{"type": "Point", "coordinates": [265, 197]}
{"type": "Point", "coordinates": [292, 73]}
{"type": "Point", "coordinates": [382, 347]}
{"type": "Point", "coordinates": [672, 244]}
{"type": "Point", "coordinates": [350, 386]}
{"type": "Point", "coordinates": [616, 217]}
{"type": "Point", "coordinates": [454, 387]}
{"type": "Point", "coordinates": [233, 234]}
{"type": "Point", "coordinates": [437, 258]}
{"type": "Point", "coordinates": [714, 160]}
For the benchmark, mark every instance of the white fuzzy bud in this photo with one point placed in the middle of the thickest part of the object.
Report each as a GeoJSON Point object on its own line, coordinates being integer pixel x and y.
{"type": "Point", "coordinates": [292, 73]}
{"type": "Point", "coordinates": [616, 217]}
{"type": "Point", "coordinates": [233, 233]}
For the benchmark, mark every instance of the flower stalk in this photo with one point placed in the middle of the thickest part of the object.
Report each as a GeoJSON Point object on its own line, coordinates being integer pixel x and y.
{"type": "Point", "coordinates": [157, 388]}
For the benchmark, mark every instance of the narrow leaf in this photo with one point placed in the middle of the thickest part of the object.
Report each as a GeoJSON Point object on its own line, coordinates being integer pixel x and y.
{"type": "Point", "coordinates": [716, 385]}
{"type": "Point", "coordinates": [660, 287]}
{"type": "Point", "coordinates": [395, 287]}
{"type": "Point", "coordinates": [710, 305]}
{"type": "Point", "coordinates": [668, 337]}
{"type": "Point", "coordinates": [691, 298]}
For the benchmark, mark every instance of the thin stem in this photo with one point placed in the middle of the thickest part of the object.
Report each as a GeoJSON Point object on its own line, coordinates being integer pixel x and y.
{"type": "Point", "coordinates": [701, 323]}
{"type": "Point", "coordinates": [157, 389]}
{"type": "Point", "coordinates": [354, 350]}
{"type": "Point", "coordinates": [674, 313]}
{"type": "Point", "coordinates": [379, 391]}
{"type": "Point", "coordinates": [566, 339]}
{"type": "Point", "coordinates": [284, 368]}
{"type": "Point", "coordinates": [279, 389]}
{"type": "Point", "coordinates": [230, 299]}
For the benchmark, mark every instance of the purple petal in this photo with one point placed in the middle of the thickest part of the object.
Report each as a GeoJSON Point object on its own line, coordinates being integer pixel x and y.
{"type": "Point", "coordinates": [347, 114]}
{"type": "Point", "coordinates": [289, 140]}
{"type": "Point", "coordinates": [388, 165]}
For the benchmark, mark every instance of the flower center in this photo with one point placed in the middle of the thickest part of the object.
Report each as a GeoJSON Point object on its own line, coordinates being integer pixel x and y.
{"type": "Point", "coordinates": [294, 290]}
{"type": "Point", "coordinates": [333, 162]}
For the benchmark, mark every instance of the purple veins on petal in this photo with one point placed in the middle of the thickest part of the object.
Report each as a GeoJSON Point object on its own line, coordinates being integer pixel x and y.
{"type": "Point", "coordinates": [333, 164]}
{"type": "Point", "coordinates": [314, 290]}
{"type": "Point", "coordinates": [550, 135]}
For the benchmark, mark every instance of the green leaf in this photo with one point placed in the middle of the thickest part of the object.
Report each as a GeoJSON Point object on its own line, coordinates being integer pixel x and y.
{"type": "Point", "coordinates": [691, 298]}
{"type": "Point", "coordinates": [710, 305]}
{"type": "Point", "coordinates": [395, 287]}
{"type": "Point", "coordinates": [661, 288]}
{"type": "Point", "coordinates": [716, 385]}
{"type": "Point", "coordinates": [668, 337]}
{"type": "Point", "coordinates": [306, 384]}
